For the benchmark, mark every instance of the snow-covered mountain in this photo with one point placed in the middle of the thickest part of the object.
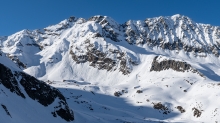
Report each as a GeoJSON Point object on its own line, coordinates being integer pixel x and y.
{"type": "Point", "coordinates": [162, 69]}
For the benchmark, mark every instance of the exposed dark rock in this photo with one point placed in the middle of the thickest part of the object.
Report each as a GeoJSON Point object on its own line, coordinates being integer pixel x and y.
{"type": "Point", "coordinates": [8, 79]}
{"type": "Point", "coordinates": [96, 18]}
{"type": "Point", "coordinates": [181, 109]}
{"type": "Point", "coordinates": [38, 90]}
{"type": "Point", "coordinates": [17, 61]}
{"type": "Point", "coordinates": [196, 112]}
{"type": "Point", "coordinates": [54, 114]}
{"type": "Point", "coordinates": [20, 64]}
{"type": "Point", "coordinates": [107, 28]}
{"type": "Point", "coordinates": [179, 66]}
{"type": "Point", "coordinates": [71, 19]}
{"type": "Point", "coordinates": [110, 34]}
{"type": "Point", "coordinates": [97, 35]}
{"type": "Point", "coordinates": [169, 64]}
{"type": "Point", "coordinates": [98, 59]}
{"type": "Point", "coordinates": [124, 91]}
{"type": "Point", "coordinates": [161, 107]}
{"type": "Point", "coordinates": [6, 110]}
{"type": "Point", "coordinates": [123, 67]}
{"type": "Point", "coordinates": [65, 112]}
{"type": "Point", "coordinates": [45, 95]}
{"type": "Point", "coordinates": [139, 91]}
{"type": "Point", "coordinates": [117, 94]}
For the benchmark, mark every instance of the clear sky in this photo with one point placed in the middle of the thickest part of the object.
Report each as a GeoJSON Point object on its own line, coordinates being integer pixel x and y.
{"type": "Point", "coordinates": [16, 15]}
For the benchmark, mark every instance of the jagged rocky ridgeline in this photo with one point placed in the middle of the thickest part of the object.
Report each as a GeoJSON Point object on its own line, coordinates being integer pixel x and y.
{"type": "Point", "coordinates": [36, 90]}
{"type": "Point", "coordinates": [175, 33]}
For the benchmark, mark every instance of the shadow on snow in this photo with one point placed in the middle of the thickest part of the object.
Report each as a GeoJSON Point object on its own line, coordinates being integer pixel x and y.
{"type": "Point", "coordinates": [105, 108]}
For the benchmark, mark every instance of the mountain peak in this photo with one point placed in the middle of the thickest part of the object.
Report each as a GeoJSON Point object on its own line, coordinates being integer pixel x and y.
{"type": "Point", "coordinates": [103, 20]}
{"type": "Point", "coordinates": [178, 16]}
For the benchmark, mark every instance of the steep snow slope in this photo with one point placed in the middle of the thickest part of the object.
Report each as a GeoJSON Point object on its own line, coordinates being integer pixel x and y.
{"type": "Point", "coordinates": [158, 69]}
{"type": "Point", "coordinates": [26, 99]}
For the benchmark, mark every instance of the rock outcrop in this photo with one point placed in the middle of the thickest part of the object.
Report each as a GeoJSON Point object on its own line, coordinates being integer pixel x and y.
{"type": "Point", "coordinates": [100, 60]}
{"type": "Point", "coordinates": [165, 64]}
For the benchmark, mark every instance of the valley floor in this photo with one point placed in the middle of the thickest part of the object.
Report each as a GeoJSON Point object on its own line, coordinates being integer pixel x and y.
{"type": "Point", "coordinates": [137, 103]}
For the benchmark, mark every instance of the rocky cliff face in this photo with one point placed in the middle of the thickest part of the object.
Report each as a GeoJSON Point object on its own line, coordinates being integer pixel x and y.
{"type": "Point", "coordinates": [100, 60]}
{"type": "Point", "coordinates": [45, 95]}
{"type": "Point", "coordinates": [160, 63]}
{"type": "Point", "coordinates": [169, 64]}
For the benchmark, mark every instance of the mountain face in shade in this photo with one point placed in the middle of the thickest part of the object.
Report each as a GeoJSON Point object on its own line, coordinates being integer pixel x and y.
{"type": "Point", "coordinates": [162, 69]}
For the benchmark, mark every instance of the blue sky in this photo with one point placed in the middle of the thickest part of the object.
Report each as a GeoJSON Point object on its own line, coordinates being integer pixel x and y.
{"type": "Point", "coordinates": [16, 15]}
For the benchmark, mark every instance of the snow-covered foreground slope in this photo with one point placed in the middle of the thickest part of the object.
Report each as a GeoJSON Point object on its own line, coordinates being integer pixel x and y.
{"type": "Point", "coordinates": [25, 99]}
{"type": "Point", "coordinates": [161, 69]}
